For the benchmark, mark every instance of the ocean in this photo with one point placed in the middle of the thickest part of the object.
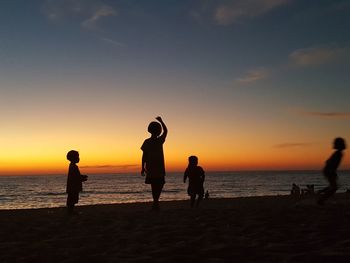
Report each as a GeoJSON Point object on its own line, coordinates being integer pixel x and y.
{"type": "Point", "coordinates": [22, 192]}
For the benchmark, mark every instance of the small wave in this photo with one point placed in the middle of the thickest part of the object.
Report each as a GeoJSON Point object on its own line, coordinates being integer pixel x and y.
{"type": "Point", "coordinates": [172, 191]}
{"type": "Point", "coordinates": [112, 192]}
{"type": "Point", "coordinates": [51, 194]}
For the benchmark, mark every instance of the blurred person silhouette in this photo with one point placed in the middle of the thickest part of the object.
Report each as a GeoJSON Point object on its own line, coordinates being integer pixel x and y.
{"type": "Point", "coordinates": [153, 167]}
{"type": "Point", "coordinates": [295, 190]}
{"type": "Point", "coordinates": [309, 190]}
{"type": "Point", "coordinates": [74, 181]}
{"type": "Point", "coordinates": [196, 177]}
{"type": "Point", "coordinates": [330, 170]}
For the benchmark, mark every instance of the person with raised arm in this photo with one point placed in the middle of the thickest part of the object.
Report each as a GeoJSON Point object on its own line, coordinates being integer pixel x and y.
{"type": "Point", "coordinates": [153, 167]}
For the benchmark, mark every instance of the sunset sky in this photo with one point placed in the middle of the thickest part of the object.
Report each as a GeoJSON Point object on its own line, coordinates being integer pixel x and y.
{"type": "Point", "coordinates": [242, 84]}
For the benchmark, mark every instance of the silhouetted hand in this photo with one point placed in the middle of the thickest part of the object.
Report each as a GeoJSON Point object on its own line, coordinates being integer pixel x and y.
{"type": "Point", "coordinates": [84, 178]}
{"type": "Point", "coordinates": [159, 119]}
{"type": "Point", "coordinates": [143, 172]}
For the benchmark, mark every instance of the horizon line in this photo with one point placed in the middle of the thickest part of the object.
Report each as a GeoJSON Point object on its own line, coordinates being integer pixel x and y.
{"type": "Point", "coordinates": [208, 171]}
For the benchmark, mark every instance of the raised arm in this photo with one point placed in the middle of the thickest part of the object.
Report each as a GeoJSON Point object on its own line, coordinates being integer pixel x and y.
{"type": "Point", "coordinates": [165, 129]}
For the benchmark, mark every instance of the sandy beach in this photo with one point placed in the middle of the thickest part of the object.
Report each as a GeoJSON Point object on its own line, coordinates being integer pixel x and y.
{"type": "Point", "coordinates": [254, 229]}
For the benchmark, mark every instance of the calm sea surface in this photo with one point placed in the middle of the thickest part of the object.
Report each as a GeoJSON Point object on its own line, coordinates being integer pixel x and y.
{"type": "Point", "coordinates": [49, 191]}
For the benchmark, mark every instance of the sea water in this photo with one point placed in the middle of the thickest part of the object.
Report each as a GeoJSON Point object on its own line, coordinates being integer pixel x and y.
{"type": "Point", "coordinates": [17, 192]}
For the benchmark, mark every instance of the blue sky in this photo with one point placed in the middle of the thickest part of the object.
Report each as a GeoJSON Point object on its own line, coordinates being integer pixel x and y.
{"type": "Point", "coordinates": [254, 65]}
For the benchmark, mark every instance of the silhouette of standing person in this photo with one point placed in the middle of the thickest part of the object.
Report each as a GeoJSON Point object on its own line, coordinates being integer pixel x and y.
{"type": "Point", "coordinates": [196, 178]}
{"type": "Point", "coordinates": [330, 170]}
{"type": "Point", "coordinates": [74, 181]}
{"type": "Point", "coordinates": [153, 159]}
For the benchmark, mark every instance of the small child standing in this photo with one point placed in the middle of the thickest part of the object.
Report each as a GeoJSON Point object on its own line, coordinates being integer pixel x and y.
{"type": "Point", "coordinates": [74, 181]}
{"type": "Point", "coordinates": [196, 178]}
{"type": "Point", "coordinates": [330, 170]}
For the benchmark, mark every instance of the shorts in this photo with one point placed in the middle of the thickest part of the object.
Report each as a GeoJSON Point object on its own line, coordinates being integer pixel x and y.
{"type": "Point", "coordinates": [150, 180]}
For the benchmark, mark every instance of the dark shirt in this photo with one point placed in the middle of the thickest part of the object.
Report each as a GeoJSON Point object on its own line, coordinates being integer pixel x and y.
{"type": "Point", "coordinates": [333, 162]}
{"type": "Point", "coordinates": [195, 175]}
{"type": "Point", "coordinates": [154, 157]}
{"type": "Point", "coordinates": [74, 179]}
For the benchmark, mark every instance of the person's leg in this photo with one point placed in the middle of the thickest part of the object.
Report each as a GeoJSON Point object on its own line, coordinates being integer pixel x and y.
{"type": "Point", "coordinates": [330, 190]}
{"type": "Point", "coordinates": [70, 209]}
{"type": "Point", "coordinates": [332, 187]}
{"type": "Point", "coordinates": [71, 202]}
{"type": "Point", "coordinates": [156, 191]}
{"type": "Point", "coordinates": [193, 199]}
{"type": "Point", "coordinates": [200, 198]}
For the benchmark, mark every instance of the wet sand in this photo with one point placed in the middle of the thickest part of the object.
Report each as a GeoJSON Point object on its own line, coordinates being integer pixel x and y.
{"type": "Point", "coordinates": [254, 229]}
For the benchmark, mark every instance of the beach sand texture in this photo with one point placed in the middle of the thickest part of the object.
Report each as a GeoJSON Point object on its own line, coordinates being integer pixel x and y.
{"type": "Point", "coordinates": [252, 229]}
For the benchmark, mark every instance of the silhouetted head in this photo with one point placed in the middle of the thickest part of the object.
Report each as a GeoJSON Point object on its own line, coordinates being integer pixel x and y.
{"type": "Point", "coordinates": [154, 128]}
{"type": "Point", "coordinates": [73, 156]}
{"type": "Point", "coordinates": [192, 161]}
{"type": "Point", "coordinates": [339, 144]}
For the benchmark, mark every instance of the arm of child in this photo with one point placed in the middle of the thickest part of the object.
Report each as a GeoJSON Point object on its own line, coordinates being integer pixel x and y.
{"type": "Point", "coordinates": [165, 129]}
{"type": "Point", "coordinates": [203, 175]}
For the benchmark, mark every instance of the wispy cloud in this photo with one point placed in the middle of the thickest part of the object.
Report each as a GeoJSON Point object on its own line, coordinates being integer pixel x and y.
{"type": "Point", "coordinates": [292, 145]}
{"type": "Point", "coordinates": [304, 57]}
{"type": "Point", "coordinates": [56, 10]}
{"type": "Point", "coordinates": [317, 55]}
{"type": "Point", "coordinates": [101, 12]}
{"type": "Point", "coordinates": [229, 12]}
{"type": "Point", "coordinates": [254, 76]}
{"type": "Point", "coordinates": [112, 42]}
{"type": "Point", "coordinates": [327, 115]}
{"type": "Point", "coordinates": [87, 12]}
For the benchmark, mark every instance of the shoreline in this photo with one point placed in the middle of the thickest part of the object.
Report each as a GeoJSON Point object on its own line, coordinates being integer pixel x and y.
{"type": "Point", "coordinates": [145, 203]}
{"type": "Point", "coordinates": [242, 229]}
{"type": "Point", "coordinates": [164, 202]}
{"type": "Point", "coordinates": [341, 195]}
{"type": "Point", "coordinates": [175, 204]}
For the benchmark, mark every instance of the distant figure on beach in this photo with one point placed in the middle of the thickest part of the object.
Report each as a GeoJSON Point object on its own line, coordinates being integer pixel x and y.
{"type": "Point", "coordinates": [74, 181]}
{"type": "Point", "coordinates": [330, 170]}
{"type": "Point", "coordinates": [153, 159]}
{"type": "Point", "coordinates": [295, 190]}
{"type": "Point", "coordinates": [196, 178]}
{"type": "Point", "coordinates": [309, 190]}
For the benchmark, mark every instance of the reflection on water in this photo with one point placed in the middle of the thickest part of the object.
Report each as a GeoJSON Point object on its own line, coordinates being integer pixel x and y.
{"type": "Point", "coordinates": [49, 191]}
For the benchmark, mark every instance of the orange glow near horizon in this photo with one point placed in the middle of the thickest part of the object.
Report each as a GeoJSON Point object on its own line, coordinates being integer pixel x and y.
{"type": "Point", "coordinates": [95, 160]}
{"type": "Point", "coordinates": [108, 147]}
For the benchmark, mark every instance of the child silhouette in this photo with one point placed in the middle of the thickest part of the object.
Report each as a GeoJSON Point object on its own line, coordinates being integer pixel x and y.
{"type": "Point", "coordinates": [196, 178]}
{"type": "Point", "coordinates": [74, 181]}
{"type": "Point", "coordinates": [153, 159]}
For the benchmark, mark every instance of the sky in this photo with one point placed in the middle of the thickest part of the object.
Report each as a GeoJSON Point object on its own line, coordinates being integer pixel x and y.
{"type": "Point", "coordinates": [242, 84]}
